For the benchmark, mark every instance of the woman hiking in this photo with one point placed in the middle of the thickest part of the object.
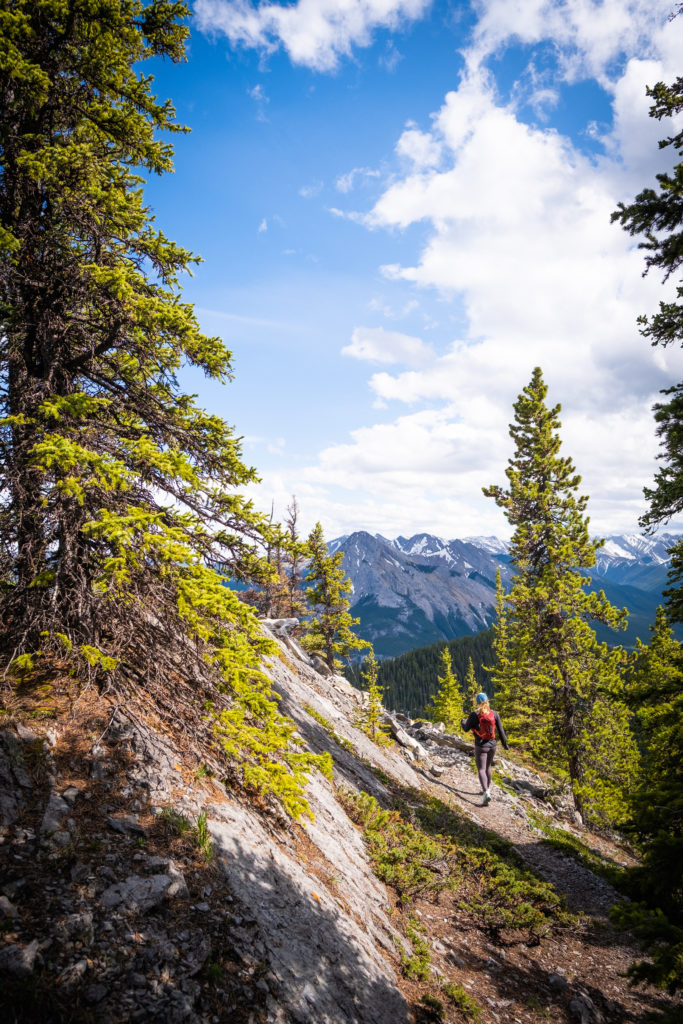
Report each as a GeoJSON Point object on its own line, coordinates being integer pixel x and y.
{"type": "Point", "coordinates": [484, 722]}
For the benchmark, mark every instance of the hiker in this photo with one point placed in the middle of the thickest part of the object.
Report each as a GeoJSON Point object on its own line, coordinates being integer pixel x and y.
{"type": "Point", "coordinates": [484, 722]}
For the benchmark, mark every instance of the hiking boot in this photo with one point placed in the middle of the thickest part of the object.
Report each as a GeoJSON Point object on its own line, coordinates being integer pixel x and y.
{"type": "Point", "coordinates": [486, 799]}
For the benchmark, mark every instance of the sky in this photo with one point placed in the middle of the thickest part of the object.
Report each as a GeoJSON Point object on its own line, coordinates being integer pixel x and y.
{"type": "Point", "coordinates": [402, 208]}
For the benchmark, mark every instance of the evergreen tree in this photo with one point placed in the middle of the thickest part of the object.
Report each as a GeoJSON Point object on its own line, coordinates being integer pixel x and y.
{"type": "Point", "coordinates": [296, 553]}
{"type": "Point", "coordinates": [118, 492]}
{"type": "Point", "coordinates": [657, 215]}
{"type": "Point", "coordinates": [572, 684]}
{"type": "Point", "coordinates": [329, 633]}
{"type": "Point", "coordinates": [472, 687]}
{"type": "Point", "coordinates": [518, 691]}
{"type": "Point", "coordinates": [656, 694]}
{"type": "Point", "coordinates": [370, 716]}
{"type": "Point", "coordinates": [446, 705]}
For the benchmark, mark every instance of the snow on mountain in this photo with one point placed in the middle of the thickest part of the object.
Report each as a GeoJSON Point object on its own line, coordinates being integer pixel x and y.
{"type": "Point", "coordinates": [491, 544]}
{"type": "Point", "coordinates": [423, 589]}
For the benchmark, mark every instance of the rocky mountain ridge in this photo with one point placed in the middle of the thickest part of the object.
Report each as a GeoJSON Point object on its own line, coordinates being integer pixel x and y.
{"type": "Point", "coordinates": [136, 887]}
{"type": "Point", "coordinates": [410, 592]}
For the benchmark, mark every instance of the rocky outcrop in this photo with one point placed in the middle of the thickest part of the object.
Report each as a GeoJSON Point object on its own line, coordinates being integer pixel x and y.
{"type": "Point", "coordinates": [135, 887]}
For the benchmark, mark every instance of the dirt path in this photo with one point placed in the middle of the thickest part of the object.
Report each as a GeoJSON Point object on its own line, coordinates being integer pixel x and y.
{"type": "Point", "coordinates": [577, 976]}
{"type": "Point", "coordinates": [507, 816]}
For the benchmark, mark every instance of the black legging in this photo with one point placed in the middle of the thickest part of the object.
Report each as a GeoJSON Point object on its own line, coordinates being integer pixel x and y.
{"type": "Point", "coordinates": [484, 760]}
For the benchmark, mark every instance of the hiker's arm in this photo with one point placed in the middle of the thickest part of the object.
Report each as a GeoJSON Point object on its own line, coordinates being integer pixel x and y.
{"type": "Point", "coordinates": [469, 722]}
{"type": "Point", "coordinates": [501, 730]}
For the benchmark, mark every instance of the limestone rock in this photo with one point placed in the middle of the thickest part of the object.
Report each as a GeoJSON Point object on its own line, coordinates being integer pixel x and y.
{"type": "Point", "coordinates": [19, 960]}
{"type": "Point", "coordinates": [57, 808]}
{"type": "Point", "coordinates": [137, 893]}
{"type": "Point", "coordinates": [126, 824]}
{"type": "Point", "coordinates": [14, 779]}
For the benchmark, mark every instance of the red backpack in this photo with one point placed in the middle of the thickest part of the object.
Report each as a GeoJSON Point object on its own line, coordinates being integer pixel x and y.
{"type": "Point", "coordinates": [487, 726]}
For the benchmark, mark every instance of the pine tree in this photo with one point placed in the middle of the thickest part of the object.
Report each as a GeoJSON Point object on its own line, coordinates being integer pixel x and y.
{"type": "Point", "coordinates": [119, 493]}
{"type": "Point", "coordinates": [656, 694]}
{"type": "Point", "coordinates": [295, 556]}
{"type": "Point", "coordinates": [446, 705]}
{"type": "Point", "coordinates": [472, 687]}
{"type": "Point", "coordinates": [370, 715]}
{"type": "Point", "coordinates": [657, 216]}
{"type": "Point", "coordinates": [549, 655]}
{"type": "Point", "coordinates": [329, 633]}
{"type": "Point", "coordinates": [519, 695]}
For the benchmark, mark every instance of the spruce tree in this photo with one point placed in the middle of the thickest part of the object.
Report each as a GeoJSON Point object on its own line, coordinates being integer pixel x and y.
{"type": "Point", "coordinates": [329, 632]}
{"type": "Point", "coordinates": [472, 687]}
{"type": "Point", "coordinates": [296, 552]}
{"type": "Point", "coordinates": [370, 716]}
{"type": "Point", "coordinates": [118, 492]}
{"type": "Point", "coordinates": [572, 684]}
{"type": "Point", "coordinates": [520, 700]}
{"type": "Point", "coordinates": [656, 215]}
{"type": "Point", "coordinates": [656, 802]}
{"type": "Point", "coordinates": [446, 704]}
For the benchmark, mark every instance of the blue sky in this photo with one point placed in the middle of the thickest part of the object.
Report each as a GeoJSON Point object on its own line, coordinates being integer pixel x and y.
{"type": "Point", "coordinates": [403, 207]}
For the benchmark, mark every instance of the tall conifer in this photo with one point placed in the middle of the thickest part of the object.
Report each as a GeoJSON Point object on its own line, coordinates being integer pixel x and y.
{"type": "Point", "coordinates": [472, 687]}
{"type": "Point", "coordinates": [370, 716]}
{"type": "Point", "coordinates": [118, 492]}
{"type": "Point", "coordinates": [329, 633]}
{"type": "Point", "coordinates": [549, 653]}
{"type": "Point", "coordinates": [446, 704]}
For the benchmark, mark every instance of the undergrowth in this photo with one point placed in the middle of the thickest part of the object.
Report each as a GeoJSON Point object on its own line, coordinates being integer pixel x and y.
{"type": "Point", "coordinates": [416, 964]}
{"type": "Point", "coordinates": [572, 846]}
{"type": "Point", "coordinates": [463, 1001]}
{"type": "Point", "coordinates": [329, 729]}
{"type": "Point", "coordinates": [423, 848]}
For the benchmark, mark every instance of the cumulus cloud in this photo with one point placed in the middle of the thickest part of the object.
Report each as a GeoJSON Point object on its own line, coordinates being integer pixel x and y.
{"type": "Point", "coordinates": [346, 182]}
{"type": "Point", "coordinates": [309, 191]}
{"type": "Point", "coordinates": [589, 36]}
{"type": "Point", "coordinates": [315, 33]}
{"type": "Point", "coordinates": [421, 148]}
{"type": "Point", "coordinates": [517, 234]}
{"type": "Point", "coordinates": [379, 346]}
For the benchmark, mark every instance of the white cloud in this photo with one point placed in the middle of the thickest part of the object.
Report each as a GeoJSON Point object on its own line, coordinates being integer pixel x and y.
{"type": "Point", "coordinates": [309, 191]}
{"type": "Point", "coordinates": [352, 215]}
{"type": "Point", "coordinates": [421, 148]}
{"type": "Point", "coordinates": [315, 33]}
{"type": "Point", "coordinates": [377, 345]}
{"type": "Point", "coordinates": [263, 226]}
{"type": "Point", "coordinates": [258, 93]}
{"type": "Point", "coordinates": [517, 235]}
{"type": "Point", "coordinates": [589, 36]}
{"type": "Point", "coordinates": [346, 182]}
{"type": "Point", "coordinates": [391, 57]}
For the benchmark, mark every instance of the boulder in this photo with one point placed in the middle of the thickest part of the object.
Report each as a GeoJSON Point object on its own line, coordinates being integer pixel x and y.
{"type": "Point", "coordinates": [136, 893]}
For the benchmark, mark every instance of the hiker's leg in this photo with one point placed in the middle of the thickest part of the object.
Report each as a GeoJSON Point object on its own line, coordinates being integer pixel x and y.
{"type": "Point", "coordinates": [480, 757]}
{"type": "Point", "coordinates": [490, 754]}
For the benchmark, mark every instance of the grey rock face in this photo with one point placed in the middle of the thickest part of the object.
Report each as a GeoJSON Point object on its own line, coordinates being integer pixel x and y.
{"type": "Point", "coordinates": [15, 782]}
{"type": "Point", "coordinates": [56, 810]}
{"type": "Point", "coordinates": [583, 1010]}
{"type": "Point", "coordinates": [136, 893]}
{"type": "Point", "coordinates": [126, 824]}
{"type": "Point", "coordinates": [325, 967]}
{"type": "Point", "coordinates": [19, 960]}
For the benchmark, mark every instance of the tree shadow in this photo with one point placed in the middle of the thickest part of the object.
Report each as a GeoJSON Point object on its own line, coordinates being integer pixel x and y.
{"type": "Point", "coordinates": [322, 965]}
{"type": "Point", "coordinates": [530, 983]}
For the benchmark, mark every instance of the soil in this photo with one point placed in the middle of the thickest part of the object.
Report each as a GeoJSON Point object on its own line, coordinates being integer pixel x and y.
{"type": "Point", "coordinates": [520, 983]}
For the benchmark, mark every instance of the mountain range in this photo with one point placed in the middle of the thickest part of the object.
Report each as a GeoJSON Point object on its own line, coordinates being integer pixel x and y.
{"type": "Point", "coordinates": [419, 590]}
